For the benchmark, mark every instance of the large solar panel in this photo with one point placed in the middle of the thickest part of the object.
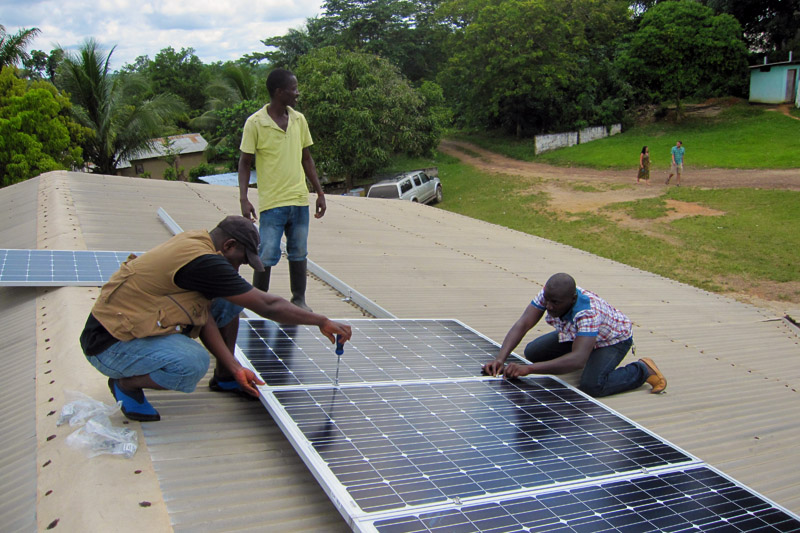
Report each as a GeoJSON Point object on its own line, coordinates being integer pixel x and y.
{"type": "Point", "coordinates": [56, 268]}
{"type": "Point", "coordinates": [410, 444]}
{"type": "Point", "coordinates": [695, 499]}
{"type": "Point", "coordinates": [380, 350]}
{"type": "Point", "coordinates": [415, 439]}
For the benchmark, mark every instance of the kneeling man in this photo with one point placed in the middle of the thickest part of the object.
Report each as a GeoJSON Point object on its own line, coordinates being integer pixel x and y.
{"type": "Point", "coordinates": [590, 335]}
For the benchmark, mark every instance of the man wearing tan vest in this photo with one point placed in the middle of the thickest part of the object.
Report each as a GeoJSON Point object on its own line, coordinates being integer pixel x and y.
{"type": "Point", "coordinates": [141, 329]}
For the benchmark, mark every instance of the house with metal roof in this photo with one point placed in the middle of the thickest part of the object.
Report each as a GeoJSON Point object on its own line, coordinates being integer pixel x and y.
{"type": "Point", "coordinates": [188, 150]}
{"type": "Point", "coordinates": [221, 463]}
{"type": "Point", "coordinates": [775, 83]}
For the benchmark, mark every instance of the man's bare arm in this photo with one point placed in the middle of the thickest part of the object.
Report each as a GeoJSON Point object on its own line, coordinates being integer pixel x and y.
{"type": "Point", "coordinates": [310, 170]}
{"type": "Point", "coordinates": [245, 164]}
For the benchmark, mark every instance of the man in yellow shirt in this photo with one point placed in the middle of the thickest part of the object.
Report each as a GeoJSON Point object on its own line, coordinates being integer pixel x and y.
{"type": "Point", "coordinates": [277, 137]}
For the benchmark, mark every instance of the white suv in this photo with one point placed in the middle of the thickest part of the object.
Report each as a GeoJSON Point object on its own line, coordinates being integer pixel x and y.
{"type": "Point", "coordinates": [415, 186]}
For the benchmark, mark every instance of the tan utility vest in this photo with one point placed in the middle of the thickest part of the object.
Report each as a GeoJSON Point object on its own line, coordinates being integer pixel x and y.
{"type": "Point", "coordinates": [141, 298]}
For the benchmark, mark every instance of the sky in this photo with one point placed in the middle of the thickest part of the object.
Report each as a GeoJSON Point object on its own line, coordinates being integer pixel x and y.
{"type": "Point", "coordinates": [218, 30]}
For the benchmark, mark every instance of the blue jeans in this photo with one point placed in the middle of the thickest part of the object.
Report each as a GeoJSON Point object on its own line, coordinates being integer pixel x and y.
{"type": "Point", "coordinates": [600, 377]}
{"type": "Point", "coordinates": [291, 220]}
{"type": "Point", "coordinates": [174, 362]}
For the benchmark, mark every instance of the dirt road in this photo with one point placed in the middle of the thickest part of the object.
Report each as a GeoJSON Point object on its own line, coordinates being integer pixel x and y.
{"type": "Point", "coordinates": [711, 178]}
{"type": "Point", "coordinates": [559, 183]}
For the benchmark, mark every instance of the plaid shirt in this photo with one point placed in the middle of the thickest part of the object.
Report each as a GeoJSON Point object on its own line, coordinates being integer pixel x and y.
{"type": "Point", "coordinates": [591, 316]}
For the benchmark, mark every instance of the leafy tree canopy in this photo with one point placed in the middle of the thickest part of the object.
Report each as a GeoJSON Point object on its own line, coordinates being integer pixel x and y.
{"type": "Point", "coordinates": [361, 111]}
{"type": "Point", "coordinates": [405, 32]}
{"type": "Point", "coordinates": [769, 25]}
{"type": "Point", "coordinates": [288, 49]}
{"type": "Point", "coordinates": [41, 66]}
{"type": "Point", "coordinates": [520, 64]}
{"type": "Point", "coordinates": [682, 49]}
{"type": "Point", "coordinates": [229, 131]}
{"type": "Point", "coordinates": [37, 134]}
{"type": "Point", "coordinates": [180, 73]}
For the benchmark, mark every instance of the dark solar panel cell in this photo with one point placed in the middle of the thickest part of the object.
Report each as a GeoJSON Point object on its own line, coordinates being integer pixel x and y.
{"type": "Point", "coordinates": [660, 504]}
{"type": "Point", "coordinates": [380, 350]}
{"type": "Point", "coordinates": [428, 442]}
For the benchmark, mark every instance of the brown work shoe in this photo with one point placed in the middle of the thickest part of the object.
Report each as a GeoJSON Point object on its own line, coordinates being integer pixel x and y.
{"type": "Point", "coordinates": [656, 379]}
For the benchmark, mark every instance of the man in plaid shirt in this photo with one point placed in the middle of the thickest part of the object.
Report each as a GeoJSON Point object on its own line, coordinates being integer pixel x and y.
{"type": "Point", "coordinates": [590, 335]}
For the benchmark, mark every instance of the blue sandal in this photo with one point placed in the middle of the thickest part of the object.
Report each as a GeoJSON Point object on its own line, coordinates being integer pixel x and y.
{"type": "Point", "coordinates": [134, 406]}
{"type": "Point", "coordinates": [232, 386]}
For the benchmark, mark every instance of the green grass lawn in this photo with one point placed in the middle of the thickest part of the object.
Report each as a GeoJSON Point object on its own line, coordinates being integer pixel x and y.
{"type": "Point", "coordinates": [755, 240]}
{"type": "Point", "coordinates": [742, 136]}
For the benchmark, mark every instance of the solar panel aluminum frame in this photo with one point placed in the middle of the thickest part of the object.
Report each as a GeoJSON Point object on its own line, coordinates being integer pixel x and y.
{"type": "Point", "coordinates": [369, 526]}
{"type": "Point", "coordinates": [352, 512]}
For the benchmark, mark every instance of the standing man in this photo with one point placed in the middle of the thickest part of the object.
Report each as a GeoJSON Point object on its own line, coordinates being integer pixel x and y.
{"type": "Point", "coordinates": [677, 162]}
{"type": "Point", "coordinates": [141, 330]}
{"type": "Point", "coordinates": [277, 137]}
{"type": "Point", "coordinates": [590, 335]}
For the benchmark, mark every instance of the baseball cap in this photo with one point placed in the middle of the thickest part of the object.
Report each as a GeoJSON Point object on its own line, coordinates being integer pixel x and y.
{"type": "Point", "coordinates": [244, 231]}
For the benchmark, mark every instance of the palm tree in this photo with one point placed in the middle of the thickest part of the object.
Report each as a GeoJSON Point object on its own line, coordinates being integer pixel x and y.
{"type": "Point", "coordinates": [12, 47]}
{"type": "Point", "coordinates": [233, 85]}
{"type": "Point", "coordinates": [123, 124]}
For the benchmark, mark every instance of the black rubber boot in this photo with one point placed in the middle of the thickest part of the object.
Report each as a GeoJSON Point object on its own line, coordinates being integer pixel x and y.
{"type": "Point", "coordinates": [261, 279]}
{"type": "Point", "coordinates": [297, 281]}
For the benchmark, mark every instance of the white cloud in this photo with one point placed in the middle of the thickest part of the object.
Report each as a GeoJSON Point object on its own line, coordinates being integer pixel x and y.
{"type": "Point", "coordinates": [217, 30]}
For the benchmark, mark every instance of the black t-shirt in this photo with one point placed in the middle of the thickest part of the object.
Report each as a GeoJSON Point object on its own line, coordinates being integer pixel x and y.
{"type": "Point", "coordinates": [211, 275]}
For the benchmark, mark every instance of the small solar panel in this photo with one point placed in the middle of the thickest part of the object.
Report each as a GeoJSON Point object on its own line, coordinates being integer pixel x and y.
{"type": "Point", "coordinates": [411, 444]}
{"type": "Point", "coordinates": [695, 499]}
{"type": "Point", "coordinates": [380, 350]}
{"type": "Point", "coordinates": [56, 268]}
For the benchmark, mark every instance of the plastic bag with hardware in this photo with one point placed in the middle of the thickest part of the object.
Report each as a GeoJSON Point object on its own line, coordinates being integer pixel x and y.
{"type": "Point", "coordinates": [99, 436]}
{"type": "Point", "coordinates": [80, 408]}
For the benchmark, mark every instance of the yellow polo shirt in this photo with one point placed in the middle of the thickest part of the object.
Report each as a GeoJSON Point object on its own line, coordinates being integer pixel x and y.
{"type": "Point", "coordinates": [278, 154]}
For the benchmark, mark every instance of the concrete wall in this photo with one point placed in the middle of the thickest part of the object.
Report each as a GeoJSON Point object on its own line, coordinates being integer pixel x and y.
{"type": "Point", "coordinates": [768, 84]}
{"type": "Point", "coordinates": [545, 143]}
{"type": "Point", "coordinates": [592, 134]}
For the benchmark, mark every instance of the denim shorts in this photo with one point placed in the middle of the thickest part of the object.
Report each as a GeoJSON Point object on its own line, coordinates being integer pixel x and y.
{"type": "Point", "coordinates": [291, 220]}
{"type": "Point", "coordinates": [175, 362]}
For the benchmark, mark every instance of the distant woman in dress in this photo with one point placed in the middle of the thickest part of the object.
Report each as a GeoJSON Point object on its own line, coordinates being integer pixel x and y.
{"type": "Point", "coordinates": [644, 165]}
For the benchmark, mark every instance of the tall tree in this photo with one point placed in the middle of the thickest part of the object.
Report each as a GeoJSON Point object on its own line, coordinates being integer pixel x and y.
{"type": "Point", "coordinates": [102, 102]}
{"type": "Point", "coordinates": [40, 65]}
{"type": "Point", "coordinates": [682, 49]}
{"type": "Point", "coordinates": [12, 47]}
{"type": "Point", "coordinates": [405, 32]}
{"type": "Point", "coordinates": [37, 133]}
{"type": "Point", "coordinates": [361, 111]}
{"type": "Point", "coordinates": [288, 48]}
{"type": "Point", "coordinates": [769, 25]}
{"type": "Point", "coordinates": [182, 74]}
{"type": "Point", "coordinates": [522, 64]}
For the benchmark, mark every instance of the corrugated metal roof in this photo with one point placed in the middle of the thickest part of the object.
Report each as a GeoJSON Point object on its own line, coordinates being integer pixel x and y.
{"type": "Point", "coordinates": [18, 357]}
{"type": "Point", "coordinates": [733, 374]}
